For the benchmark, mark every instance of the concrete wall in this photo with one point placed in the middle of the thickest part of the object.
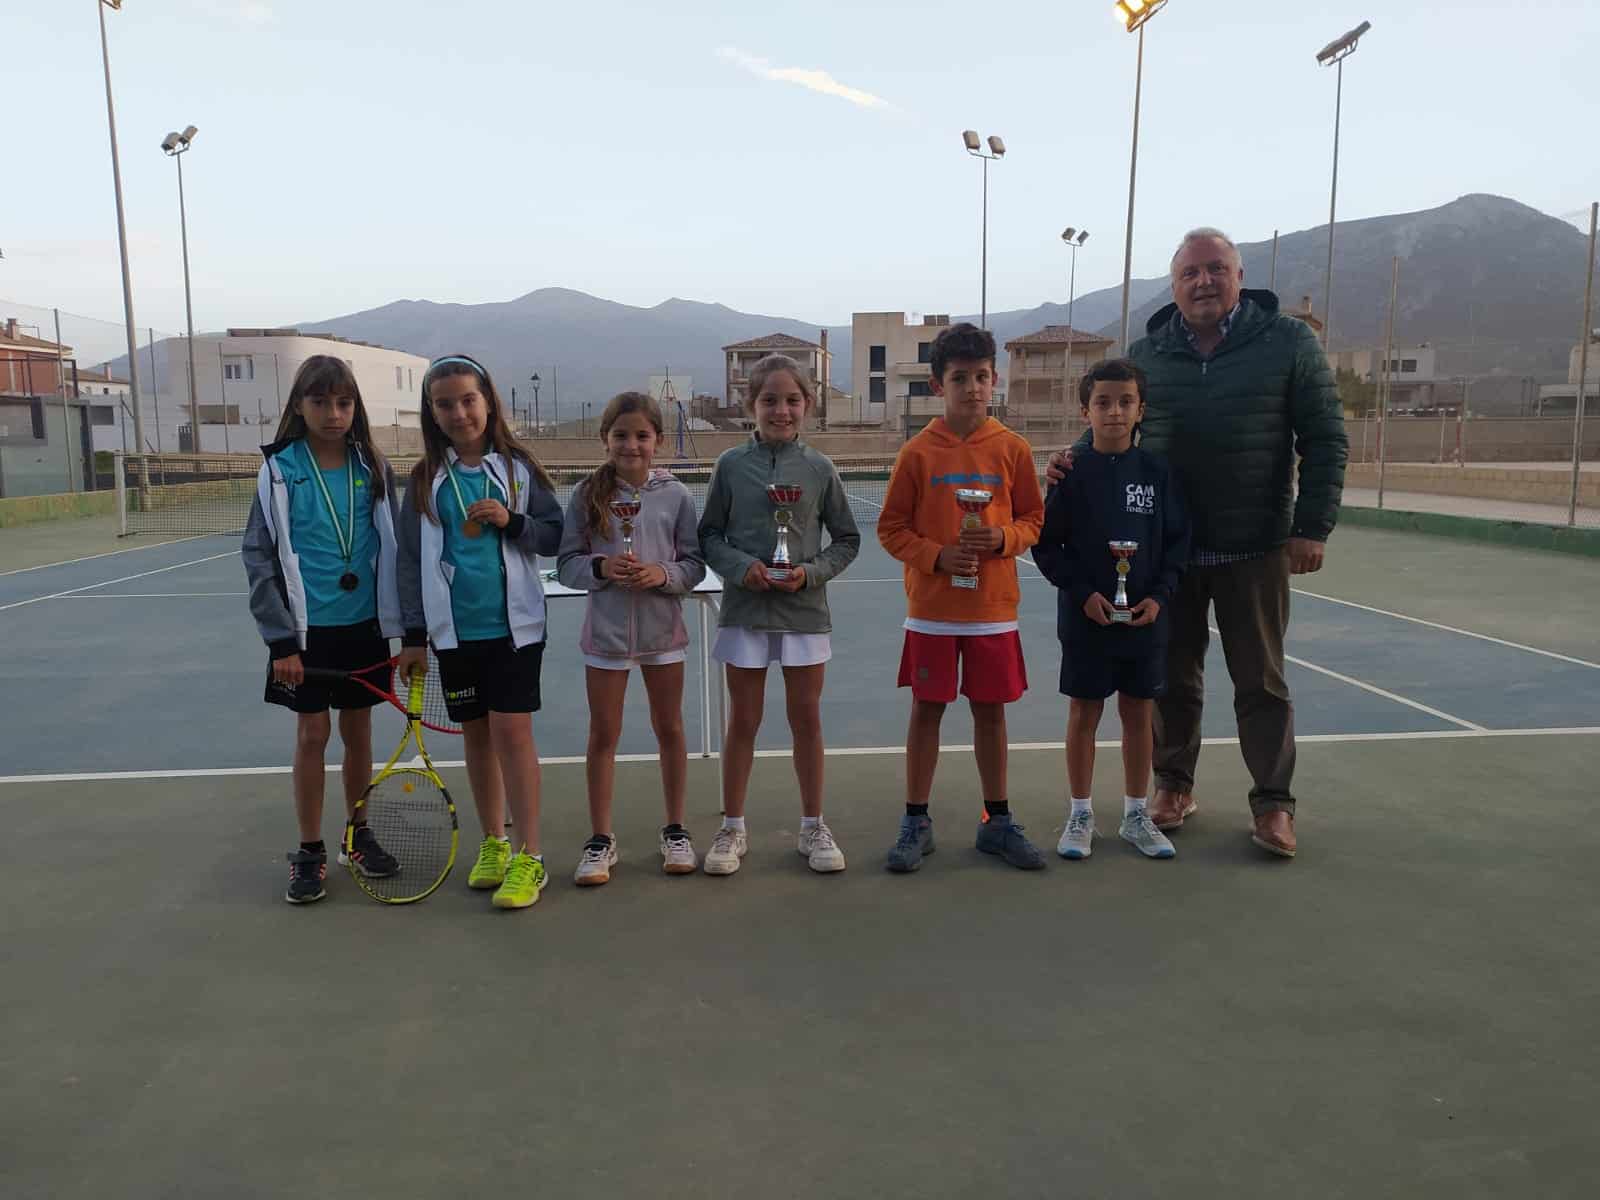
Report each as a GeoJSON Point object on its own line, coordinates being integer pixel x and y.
{"type": "Point", "coordinates": [1524, 486]}
{"type": "Point", "coordinates": [1482, 439]}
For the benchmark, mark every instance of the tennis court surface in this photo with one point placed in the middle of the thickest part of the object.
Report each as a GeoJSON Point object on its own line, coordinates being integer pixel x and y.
{"type": "Point", "coordinates": [1406, 1009]}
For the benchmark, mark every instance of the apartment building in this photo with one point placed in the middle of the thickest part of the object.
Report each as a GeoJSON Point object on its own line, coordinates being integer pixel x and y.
{"type": "Point", "coordinates": [740, 357]}
{"type": "Point", "coordinates": [1043, 373]}
{"type": "Point", "coordinates": [889, 372]}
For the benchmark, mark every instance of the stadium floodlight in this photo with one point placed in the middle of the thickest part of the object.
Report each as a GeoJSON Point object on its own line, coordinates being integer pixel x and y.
{"type": "Point", "coordinates": [1334, 54]}
{"type": "Point", "coordinates": [176, 145]}
{"type": "Point", "coordinates": [1073, 238]}
{"type": "Point", "coordinates": [1133, 14]}
{"type": "Point", "coordinates": [1342, 47]}
{"type": "Point", "coordinates": [997, 150]}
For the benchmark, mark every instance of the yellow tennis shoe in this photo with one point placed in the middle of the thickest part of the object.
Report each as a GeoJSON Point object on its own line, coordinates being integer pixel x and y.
{"type": "Point", "coordinates": [490, 869]}
{"type": "Point", "coordinates": [525, 879]}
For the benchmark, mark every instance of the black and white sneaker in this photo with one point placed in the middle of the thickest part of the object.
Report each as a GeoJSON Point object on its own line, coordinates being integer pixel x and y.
{"type": "Point", "coordinates": [307, 870]}
{"type": "Point", "coordinates": [371, 859]}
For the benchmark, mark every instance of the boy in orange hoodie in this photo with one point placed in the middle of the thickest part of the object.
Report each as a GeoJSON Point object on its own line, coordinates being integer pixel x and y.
{"type": "Point", "coordinates": [961, 586]}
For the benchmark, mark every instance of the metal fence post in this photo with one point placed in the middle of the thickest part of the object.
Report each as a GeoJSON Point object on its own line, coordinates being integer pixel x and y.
{"type": "Point", "coordinates": [119, 473]}
{"type": "Point", "coordinates": [1583, 372]}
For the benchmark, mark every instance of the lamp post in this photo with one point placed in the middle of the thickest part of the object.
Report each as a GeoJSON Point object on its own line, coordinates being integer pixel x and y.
{"type": "Point", "coordinates": [997, 150]}
{"type": "Point", "coordinates": [1133, 14]}
{"type": "Point", "coordinates": [586, 418]}
{"type": "Point", "coordinates": [122, 233]}
{"type": "Point", "coordinates": [176, 146]}
{"type": "Point", "coordinates": [1073, 238]}
{"type": "Point", "coordinates": [1333, 55]}
{"type": "Point", "coordinates": [534, 379]}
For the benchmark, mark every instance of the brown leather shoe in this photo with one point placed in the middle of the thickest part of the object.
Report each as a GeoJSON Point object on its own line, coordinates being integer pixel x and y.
{"type": "Point", "coordinates": [1170, 808]}
{"type": "Point", "coordinates": [1274, 833]}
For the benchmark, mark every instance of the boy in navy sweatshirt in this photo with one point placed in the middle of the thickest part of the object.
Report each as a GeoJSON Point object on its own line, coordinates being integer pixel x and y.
{"type": "Point", "coordinates": [1115, 492]}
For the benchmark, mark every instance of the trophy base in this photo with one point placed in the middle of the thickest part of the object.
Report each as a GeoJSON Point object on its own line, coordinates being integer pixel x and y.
{"type": "Point", "coordinates": [966, 582]}
{"type": "Point", "coordinates": [1121, 616]}
{"type": "Point", "coordinates": [779, 574]}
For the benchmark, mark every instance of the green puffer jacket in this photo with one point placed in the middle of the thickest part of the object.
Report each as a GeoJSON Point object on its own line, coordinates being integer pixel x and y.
{"type": "Point", "coordinates": [1232, 425]}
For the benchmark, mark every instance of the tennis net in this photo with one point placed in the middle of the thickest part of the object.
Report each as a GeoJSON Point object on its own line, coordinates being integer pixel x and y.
{"type": "Point", "coordinates": [186, 495]}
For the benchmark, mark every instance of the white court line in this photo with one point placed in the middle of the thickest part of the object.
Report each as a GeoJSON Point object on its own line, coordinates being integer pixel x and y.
{"type": "Point", "coordinates": [67, 562]}
{"type": "Point", "coordinates": [1482, 637]}
{"type": "Point", "coordinates": [89, 587]}
{"type": "Point", "coordinates": [1375, 690]}
{"type": "Point", "coordinates": [836, 752]}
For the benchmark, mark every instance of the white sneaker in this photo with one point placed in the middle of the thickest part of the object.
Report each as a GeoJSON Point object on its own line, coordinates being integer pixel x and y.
{"type": "Point", "coordinates": [727, 848]}
{"type": "Point", "coordinates": [1138, 829]}
{"type": "Point", "coordinates": [821, 851]}
{"type": "Point", "coordinates": [677, 854]}
{"type": "Point", "coordinates": [1077, 839]}
{"type": "Point", "coordinates": [594, 868]}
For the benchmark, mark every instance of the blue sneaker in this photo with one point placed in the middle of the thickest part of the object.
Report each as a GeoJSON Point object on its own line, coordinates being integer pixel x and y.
{"type": "Point", "coordinates": [1002, 836]}
{"type": "Point", "coordinates": [913, 845]}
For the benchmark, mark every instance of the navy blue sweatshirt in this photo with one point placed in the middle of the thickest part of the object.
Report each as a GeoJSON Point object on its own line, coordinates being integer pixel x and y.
{"type": "Point", "coordinates": [1113, 497]}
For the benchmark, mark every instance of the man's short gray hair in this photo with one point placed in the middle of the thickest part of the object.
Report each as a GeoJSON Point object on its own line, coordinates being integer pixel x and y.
{"type": "Point", "coordinates": [1206, 233]}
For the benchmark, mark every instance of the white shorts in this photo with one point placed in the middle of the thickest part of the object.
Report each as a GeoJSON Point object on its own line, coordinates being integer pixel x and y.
{"type": "Point", "coordinates": [606, 662]}
{"type": "Point", "coordinates": [756, 648]}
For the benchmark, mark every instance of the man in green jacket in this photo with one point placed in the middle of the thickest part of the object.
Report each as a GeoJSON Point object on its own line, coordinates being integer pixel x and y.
{"type": "Point", "coordinates": [1235, 393]}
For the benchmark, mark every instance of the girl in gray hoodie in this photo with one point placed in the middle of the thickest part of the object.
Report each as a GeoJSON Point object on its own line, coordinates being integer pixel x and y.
{"type": "Point", "coordinates": [634, 616]}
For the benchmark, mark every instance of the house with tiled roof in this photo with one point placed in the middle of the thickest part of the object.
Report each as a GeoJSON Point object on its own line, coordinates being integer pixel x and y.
{"type": "Point", "coordinates": [740, 357]}
{"type": "Point", "coordinates": [1043, 374]}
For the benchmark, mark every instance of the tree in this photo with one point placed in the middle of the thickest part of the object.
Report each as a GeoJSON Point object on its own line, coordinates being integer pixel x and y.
{"type": "Point", "coordinates": [1358, 396]}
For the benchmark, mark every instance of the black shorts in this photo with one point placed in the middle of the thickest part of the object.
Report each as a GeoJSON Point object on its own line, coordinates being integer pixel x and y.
{"type": "Point", "coordinates": [1088, 672]}
{"type": "Point", "coordinates": [336, 648]}
{"type": "Point", "coordinates": [490, 676]}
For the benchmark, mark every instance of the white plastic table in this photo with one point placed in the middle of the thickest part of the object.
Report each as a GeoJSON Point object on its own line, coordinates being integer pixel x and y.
{"type": "Point", "coordinates": [709, 593]}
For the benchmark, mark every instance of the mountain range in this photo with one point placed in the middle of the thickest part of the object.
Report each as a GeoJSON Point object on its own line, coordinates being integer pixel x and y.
{"type": "Point", "coordinates": [1494, 285]}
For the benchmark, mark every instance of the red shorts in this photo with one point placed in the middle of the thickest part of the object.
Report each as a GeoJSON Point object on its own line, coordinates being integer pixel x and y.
{"type": "Point", "coordinates": [991, 667]}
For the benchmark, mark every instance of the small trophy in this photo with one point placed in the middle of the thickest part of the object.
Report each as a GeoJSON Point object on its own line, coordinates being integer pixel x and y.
{"type": "Point", "coordinates": [625, 508]}
{"type": "Point", "coordinates": [1121, 614]}
{"type": "Point", "coordinates": [782, 495]}
{"type": "Point", "coordinates": [972, 501]}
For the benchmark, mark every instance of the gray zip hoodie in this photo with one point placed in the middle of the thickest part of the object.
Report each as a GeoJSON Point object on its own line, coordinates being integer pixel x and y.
{"type": "Point", "coordinates": [737, 529]}
{"type": "Point", "coordinates": [620, 622]}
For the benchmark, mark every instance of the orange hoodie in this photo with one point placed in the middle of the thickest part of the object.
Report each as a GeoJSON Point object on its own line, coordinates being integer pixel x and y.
{"type": "Point", "coordinates": [920, 517]}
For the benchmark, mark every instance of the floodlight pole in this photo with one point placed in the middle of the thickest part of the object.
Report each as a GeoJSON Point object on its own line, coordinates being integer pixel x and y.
{"type": "Point", "coordinates": [122, 236]}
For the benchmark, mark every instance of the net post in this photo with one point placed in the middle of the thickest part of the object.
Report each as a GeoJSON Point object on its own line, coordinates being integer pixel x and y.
{"type": "Point", "coordinates": [119, 472]}
{"type": "Point", "coordinates": [705, 677]}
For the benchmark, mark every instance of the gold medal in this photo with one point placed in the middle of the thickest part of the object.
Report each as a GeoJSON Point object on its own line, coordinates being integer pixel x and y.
{"type": "Point", "coordinates": [471, 529]}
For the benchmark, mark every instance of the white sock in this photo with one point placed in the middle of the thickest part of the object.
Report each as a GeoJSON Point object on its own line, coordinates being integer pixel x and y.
{"type": "Point", "coordinates": [1130, 804]}
{"type": "Point", "coordinates": [809, 823]}
{"type": "Point", "coordinates": [1085, 805]}
{"type": "Point", "coordinates": [733, 823]}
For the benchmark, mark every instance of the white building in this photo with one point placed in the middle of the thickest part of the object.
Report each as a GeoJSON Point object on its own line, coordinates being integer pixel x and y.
{"type": "Point", "coordinates": [1413, 375]}
{"type": "Point", "coordinates": [1562, 398]}
{"type": "Point", "coordinates": [243, 379]}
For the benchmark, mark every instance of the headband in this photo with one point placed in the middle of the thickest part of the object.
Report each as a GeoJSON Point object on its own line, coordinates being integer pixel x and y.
{"type": "Point", "coordinates": [455, 358]}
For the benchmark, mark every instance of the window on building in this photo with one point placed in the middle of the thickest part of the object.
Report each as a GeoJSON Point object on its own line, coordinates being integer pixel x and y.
{"type": "Point", "coordinates": [876, 391]}
{"type": "Point", "coordinates": [876, 356]}
{"type": "Point", "coordinates": [238, 368]}
{"type": "Point", "coordinates": [1408, 366]}
{"type": "Point", "coordinates": [924, 352]}
{"type": "Point", "coordinates": [919, 387]}
{"type": "Point", "coordinates": [411, 382]}
{"type": "Point", "coordinates": [398, 377]}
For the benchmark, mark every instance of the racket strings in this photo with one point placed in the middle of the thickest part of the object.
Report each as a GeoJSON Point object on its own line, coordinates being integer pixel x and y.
{"type": "Point", "coordinates": [435, 712]}
{"type": "Point", "coordinates": [409, 815]}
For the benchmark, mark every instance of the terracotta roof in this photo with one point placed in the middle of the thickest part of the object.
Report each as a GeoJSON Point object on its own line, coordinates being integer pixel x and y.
{"type": "Point", "coordinates": [1057, 335]}
{"type": "Point", "coordinates": [23, 341]}
{"type": "Point", "coordinates": [98, 375]}
{"type": "Point", "coordinates": [774, 341]}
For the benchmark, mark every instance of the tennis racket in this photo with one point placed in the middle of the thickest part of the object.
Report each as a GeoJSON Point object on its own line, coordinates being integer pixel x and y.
{"type": "Point", "coordinates": [407, 806]}
{"type": "Point", "coordinates": [383, 680]}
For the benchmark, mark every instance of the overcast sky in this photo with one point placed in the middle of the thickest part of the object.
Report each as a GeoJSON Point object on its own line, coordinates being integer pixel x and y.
{"type": "Point", "coordinates": [797, 159]}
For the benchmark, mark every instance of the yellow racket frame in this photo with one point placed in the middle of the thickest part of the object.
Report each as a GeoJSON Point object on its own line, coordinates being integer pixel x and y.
{"type": "Point", "coordinates": [413, 732]}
